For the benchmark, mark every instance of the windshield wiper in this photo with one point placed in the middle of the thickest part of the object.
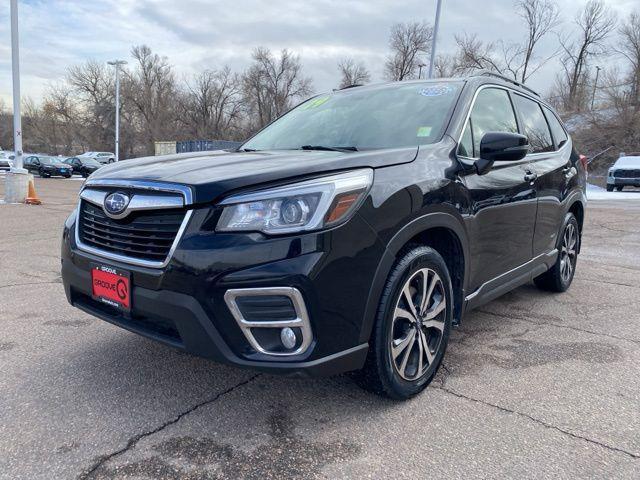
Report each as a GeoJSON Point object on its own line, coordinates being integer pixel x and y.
{"type": "Point", "coordinates": [330, 149]}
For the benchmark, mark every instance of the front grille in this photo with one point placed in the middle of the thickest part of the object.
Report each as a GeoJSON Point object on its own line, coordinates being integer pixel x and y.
{"type": "Point", "coordinates": [635, 173]}
{"type": "Point", "coordinates": [145, 235]}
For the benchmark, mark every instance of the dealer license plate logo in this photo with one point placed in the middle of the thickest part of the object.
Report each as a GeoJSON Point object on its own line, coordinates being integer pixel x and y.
{"type": "Point", "coordinates": [111, 286]}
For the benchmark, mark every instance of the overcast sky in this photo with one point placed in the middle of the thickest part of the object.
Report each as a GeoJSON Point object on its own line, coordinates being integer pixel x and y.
{"type": "Point", "coordinates": [197, 34]}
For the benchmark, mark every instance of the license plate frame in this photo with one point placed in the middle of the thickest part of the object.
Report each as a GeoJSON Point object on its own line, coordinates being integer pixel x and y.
{"type": "Point", "coordinates": [111, 286]}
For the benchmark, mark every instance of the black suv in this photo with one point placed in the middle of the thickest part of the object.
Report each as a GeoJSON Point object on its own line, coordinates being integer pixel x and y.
{"type": "Point", "coordinates": [350, 234]}
{"type": "Point", "coordinates": [84, 166]}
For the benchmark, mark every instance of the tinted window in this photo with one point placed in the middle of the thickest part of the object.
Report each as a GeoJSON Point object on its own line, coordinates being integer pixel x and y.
{"type": "Point", "coordinates": [535, 126]}
{"type": "Point", "coordinates": [492, 112]}
{"type": "Point", "coordinates": [366, 118]}
{"type": "Point", "coordinates": [559, 135]}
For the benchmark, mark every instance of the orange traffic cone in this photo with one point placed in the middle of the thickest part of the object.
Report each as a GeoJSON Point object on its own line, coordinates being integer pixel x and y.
{"type": "Point", "coordinates": [32, 196]}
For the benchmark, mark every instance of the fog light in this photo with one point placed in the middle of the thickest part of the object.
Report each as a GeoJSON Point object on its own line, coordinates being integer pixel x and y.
{"type": "Point", "coordinates": [288, 338]}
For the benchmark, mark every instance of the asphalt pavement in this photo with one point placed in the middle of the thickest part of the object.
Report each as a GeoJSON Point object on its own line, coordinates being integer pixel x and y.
{"type": "Point", "coordinates": [534, 385]}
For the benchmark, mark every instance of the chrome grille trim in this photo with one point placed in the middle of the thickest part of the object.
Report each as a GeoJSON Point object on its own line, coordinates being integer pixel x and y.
{"type": "Point", "coordinates": [86, 194]}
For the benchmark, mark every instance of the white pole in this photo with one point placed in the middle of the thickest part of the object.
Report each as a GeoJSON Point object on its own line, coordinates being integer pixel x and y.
{"type": "Point", "coordinates": [117, 113]}
{"type": "Point", "coordinates": [116, 64]}
{"type": "Point", "coordinates": [436, 26]}
{"type": "Point", "coordinates": [15, 70]}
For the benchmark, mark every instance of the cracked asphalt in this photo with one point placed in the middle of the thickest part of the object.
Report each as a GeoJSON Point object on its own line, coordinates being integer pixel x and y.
{"type": "Point", "coordinates": [534, 385]}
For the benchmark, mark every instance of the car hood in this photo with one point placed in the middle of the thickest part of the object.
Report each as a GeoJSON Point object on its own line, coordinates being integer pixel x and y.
{"type": "Point", "coordinates": [212, 175]}
{"type": "Point", "coordinates": [627, 162]}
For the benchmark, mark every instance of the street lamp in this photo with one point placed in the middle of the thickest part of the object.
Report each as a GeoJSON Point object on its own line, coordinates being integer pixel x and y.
{"type": "Point", "coordinates": [117, 64]}
{"type": "Point", "coordinates": [436, 26]}
{"type": "Point", "coordinates": [595, 86]}
{"type": "Point", "coordinates": [420, 67]}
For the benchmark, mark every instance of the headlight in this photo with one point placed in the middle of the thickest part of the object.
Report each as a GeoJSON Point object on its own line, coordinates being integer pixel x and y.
{"type": "Point", "coordinates": [310, 205]}
{"type": "Point", "coordinates": [611, 173]}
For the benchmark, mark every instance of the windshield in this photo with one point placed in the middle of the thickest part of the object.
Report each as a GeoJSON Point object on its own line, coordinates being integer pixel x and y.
{"type": "Point", "coordinates": [388, 116]}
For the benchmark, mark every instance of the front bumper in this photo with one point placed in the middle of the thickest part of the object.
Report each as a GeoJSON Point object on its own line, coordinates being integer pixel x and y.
{"type": "Point", "coordinates": [183, 304]}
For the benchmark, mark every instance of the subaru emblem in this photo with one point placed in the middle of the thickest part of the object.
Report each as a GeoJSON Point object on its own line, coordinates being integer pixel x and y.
{"type": "Point", "coordinates": [116, 203]}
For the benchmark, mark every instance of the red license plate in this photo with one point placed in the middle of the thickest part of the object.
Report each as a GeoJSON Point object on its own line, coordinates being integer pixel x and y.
{"type": "Point", "coordinates": [111, 286]}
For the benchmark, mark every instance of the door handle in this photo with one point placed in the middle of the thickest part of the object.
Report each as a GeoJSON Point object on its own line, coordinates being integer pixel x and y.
{"type": "Point", "coordinates": [530, 176]}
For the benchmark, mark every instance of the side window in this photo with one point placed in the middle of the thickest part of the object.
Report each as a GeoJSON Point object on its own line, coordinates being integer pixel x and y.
{"type": "Point", "coordinates": [466, 142]}
{"type": "Point", "coordinates": [559, 135]}
{"type": "Point", "coordinates": [492, 112]}
{"type": "Point", "coordinates": [535, 125]}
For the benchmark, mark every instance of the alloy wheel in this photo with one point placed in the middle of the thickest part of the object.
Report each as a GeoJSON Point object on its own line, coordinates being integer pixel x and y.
{"type": "Point", "coordinates": [418, 324]}
{"type": "Point", "coordinates": [568, 252]}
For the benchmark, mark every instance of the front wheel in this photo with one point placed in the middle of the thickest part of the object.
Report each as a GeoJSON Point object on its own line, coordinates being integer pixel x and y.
{"type": "Point", "coordinates": [609, 188]}
{"type": "Point", "coordinates": [412, 326]}
{"type": "Point", "coordinates": [560, 276]}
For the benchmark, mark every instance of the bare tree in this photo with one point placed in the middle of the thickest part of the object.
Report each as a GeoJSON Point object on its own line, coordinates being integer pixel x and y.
{"type": "Point", "coordinates": [629, 48]}
{"type": "Point", "coordinates": [474, 54]}
{"type": "Point", "coordinates": [594, 24]}
{"type": "Point", "coordinates": [212, 104]}
{"type": "Point", "coordinates": [271, 84]}
{"type": "Point", "coordinates": [352, 73]}
{"type": "Point", "coordinates": [541, 17]}
{"type": "Point", "coordinates": [149, 91]}
{"type": "Point", "coordinates": [409, 43]}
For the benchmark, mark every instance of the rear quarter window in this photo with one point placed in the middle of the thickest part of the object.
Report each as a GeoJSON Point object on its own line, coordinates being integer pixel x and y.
{"type": "Point", "coordinates": [534, 125]}
{"type": "Point", "coordinates": [559, 134]}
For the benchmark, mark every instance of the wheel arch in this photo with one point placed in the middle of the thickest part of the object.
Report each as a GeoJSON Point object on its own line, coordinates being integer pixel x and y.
{"type": "Point", "coordinates": [442, 231]}
{"type": "Point", "coordinates": [576, 205]}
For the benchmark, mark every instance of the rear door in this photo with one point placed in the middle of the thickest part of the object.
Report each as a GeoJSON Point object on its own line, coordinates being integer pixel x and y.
{"type": "Point", "coordinates": [550, 160]}
{"type": "Point", "coordinates": [502, 202]}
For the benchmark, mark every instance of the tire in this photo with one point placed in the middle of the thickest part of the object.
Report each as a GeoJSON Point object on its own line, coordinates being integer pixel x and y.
{"type": "Point", "coordinates": [111, 160]}
{"type": "Point", "coordinates": [67, 176]}
{"type": "Point", "coordinates": [399, 376]}
{"type": "Point", "coordinates": [609, 188]}
{"type": "Point", "coordinates": [42, 174]}
{"type": "Point", "coordinates": [560, 276]}
{"type": "Point", "coordinates": [620, 188]}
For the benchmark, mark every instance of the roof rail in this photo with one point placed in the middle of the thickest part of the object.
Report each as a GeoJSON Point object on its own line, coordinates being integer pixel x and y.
{"type": "Point", "coordinates": [489, 73]}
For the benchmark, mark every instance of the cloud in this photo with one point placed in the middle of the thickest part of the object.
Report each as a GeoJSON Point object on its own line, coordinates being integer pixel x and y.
{"type": "Point", "coordinates": [197, 34]}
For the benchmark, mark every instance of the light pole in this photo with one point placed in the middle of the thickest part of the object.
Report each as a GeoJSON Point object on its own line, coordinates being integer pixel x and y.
{"type": "Point", "coordinates": [436, 26]}
{"type": "Point", "coordinates": [15, 70]}
{"type": "Point", "coordinates": [420, 67]}
{"type": "Point", "coordinates": [595, 86]}
{"type": "Point", "coordinates": [116, 64]}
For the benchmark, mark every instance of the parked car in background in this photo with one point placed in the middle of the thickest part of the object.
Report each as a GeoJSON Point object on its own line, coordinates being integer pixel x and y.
{"type": "Point", "coordinates": [6, 160]}
{"type": "Point", "coordinates": [84, 166]}
{"type": "Point", "coordinates": [102, 157]}
{"type": "Point", "coordinates": [46, 166]}
{"type": "Point", "coordinates": [625, 172]}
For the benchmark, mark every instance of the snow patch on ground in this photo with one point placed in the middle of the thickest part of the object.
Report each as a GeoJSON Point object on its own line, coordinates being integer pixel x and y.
{"type": "Point", "coordinates": [598, 193]}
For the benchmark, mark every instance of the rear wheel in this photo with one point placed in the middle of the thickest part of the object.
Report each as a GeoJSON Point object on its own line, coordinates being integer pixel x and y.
{"type": "Point", "coordinates": [412, 327]}
{"type": "Point", "coordinates": [619, 188]}
{"type": "Point", "coordinates": [43, 174]}
{"type": "Point", "coordinates": [560, 276]}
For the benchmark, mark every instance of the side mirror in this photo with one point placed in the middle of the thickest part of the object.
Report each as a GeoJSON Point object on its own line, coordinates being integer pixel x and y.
{"type": "Point", "coordinates": [501, 146]}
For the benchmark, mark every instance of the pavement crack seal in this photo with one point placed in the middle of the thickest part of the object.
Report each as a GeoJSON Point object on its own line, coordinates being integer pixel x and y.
{"type": "Point", "coordinates": [539, 422]}
{"type": "Point", "coordinates": [516, 316]}
{"type": "Point", "coordinates": [31, 283]}
{"type": "Point", "coordinates": [133, 441]}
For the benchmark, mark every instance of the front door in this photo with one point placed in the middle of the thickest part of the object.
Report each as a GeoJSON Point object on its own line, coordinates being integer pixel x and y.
{"type": "Point", "coordinates": [501, 210]}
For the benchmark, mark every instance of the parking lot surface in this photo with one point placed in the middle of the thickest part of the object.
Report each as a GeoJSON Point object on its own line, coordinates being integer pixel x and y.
{"type": "Point", "coordinates": [534, 385]}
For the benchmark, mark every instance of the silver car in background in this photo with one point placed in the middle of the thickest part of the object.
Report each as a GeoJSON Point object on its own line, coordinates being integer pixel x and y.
{"type": "Point", "coordinates": [625, 172]}
{"type": "Point", "coordinates": [102, 157]}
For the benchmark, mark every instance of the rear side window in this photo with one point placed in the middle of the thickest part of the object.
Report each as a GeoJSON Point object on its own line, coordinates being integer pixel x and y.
{"type": "Point", "coordinates": [534, 125]}
{"type": "Point", "coordinates": [559, 135]}
{"type": "Point", "coordinates": [492, 112]}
